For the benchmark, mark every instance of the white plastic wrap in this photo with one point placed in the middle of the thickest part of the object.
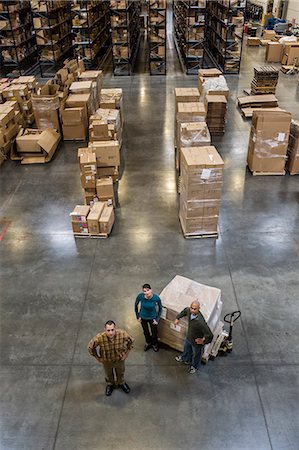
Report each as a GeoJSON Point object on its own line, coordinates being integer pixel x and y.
{"type": "Point", "coordinates": [214, 84]}
{"type": "Point", "coordinates": [181, 291]}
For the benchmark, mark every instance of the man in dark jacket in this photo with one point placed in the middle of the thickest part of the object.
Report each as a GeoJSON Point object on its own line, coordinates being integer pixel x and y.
{"type": "Point", "coordinates": [198, 335]}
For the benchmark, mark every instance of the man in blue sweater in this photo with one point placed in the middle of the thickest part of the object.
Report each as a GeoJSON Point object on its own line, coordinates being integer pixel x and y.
{"type": "Point", "coordinates": [149, 314]}
{"type": "Point", "coordinates": [198, 335]}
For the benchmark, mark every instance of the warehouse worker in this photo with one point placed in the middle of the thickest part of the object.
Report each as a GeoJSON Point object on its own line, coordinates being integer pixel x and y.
{"type": "Point", "coordinates": [149, 315]}
{"type": "Point", "coordinates": [111, 348]}
{"type": "Point", "coordinates": [198, 335]}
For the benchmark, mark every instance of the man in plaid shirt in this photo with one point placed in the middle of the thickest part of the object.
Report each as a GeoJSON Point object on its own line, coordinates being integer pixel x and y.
{"type": "Point", "coordinates": [111, 348]}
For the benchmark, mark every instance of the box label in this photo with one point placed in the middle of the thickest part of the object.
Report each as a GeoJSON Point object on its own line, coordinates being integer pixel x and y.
{"type": "Point", "coordinates": [205, 174]}
{"type": "Point", "coordinates": [176, 328]}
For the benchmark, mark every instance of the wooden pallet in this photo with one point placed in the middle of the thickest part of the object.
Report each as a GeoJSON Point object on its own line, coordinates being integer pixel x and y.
{"type": "Point", "coordinates": [91, 236]}
{"type": "Point", "coordinates": [201, 236]}
{"type": "Point", "coordinates": [255, 173]}
{"type": "Point", "coordinates": [212, 234]}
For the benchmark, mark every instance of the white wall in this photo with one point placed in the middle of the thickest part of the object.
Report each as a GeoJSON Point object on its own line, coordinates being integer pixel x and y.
{"type": "Point", "coordinates": [293, 10]}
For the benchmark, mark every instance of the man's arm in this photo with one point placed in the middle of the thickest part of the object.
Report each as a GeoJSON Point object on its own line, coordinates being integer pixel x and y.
{"type": "Point", "coordinates": [129, 344]}
{"type": "Point", "coordinates": [180, 315]}
{"type": "Point", "coordinates": [92, 348]}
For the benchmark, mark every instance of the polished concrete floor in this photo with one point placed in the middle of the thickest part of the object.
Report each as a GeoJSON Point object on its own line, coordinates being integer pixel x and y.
{"type": "Point", "coordinates": [57, 292]}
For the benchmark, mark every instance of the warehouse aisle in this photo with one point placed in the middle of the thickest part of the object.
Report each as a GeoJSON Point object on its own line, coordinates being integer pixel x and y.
{"type": "Point", "coordinates": [57, 293]}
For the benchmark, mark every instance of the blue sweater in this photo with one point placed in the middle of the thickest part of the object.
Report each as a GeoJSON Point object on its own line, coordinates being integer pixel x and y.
{"type": "Point", "coordinates": [149, 308]}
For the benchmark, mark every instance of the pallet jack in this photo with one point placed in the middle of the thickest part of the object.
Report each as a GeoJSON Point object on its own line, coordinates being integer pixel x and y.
{"type": "Point", "coordinates": [224, 341]}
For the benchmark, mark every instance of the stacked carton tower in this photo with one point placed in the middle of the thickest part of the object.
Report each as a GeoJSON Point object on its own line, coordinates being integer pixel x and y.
{"type": "Point", "coordinates": [190, 116]}
{"type": "Point", "coordinates": [268, 142]}
{"type": "Point", "coordinates": [201, 184]}
{"type": "Point", "coordinates": [99, 164]}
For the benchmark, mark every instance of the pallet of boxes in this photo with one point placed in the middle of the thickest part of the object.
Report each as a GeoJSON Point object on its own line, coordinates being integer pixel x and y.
{"type": "Point", "coordinates": [188, 109]}
{"type": "Point", "coordinates": [214, 92]}
{"type": "Point", "coordinates": [38, 145]}
{"type": "Point", "coordinates": [201, 185]}
{"type": "Point", "coordinates": [16, 111]}
{"type": "Point", "coordinates": [99, 166]}
{"type": "Point", "coordinates": [179, 294]}
{"type": "Point", "coordinates": [268, 142]}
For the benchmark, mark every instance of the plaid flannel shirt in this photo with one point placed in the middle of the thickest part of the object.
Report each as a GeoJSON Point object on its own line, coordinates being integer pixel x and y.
{"type": "Point", "coordinates": [111, 349]}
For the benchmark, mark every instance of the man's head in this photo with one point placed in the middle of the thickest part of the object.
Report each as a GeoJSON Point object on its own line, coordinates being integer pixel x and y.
{"type": "Point", "coordinates": [110, 328]}
{"type": "Point", "coordinates": [195, 307]}
{"type": "Point", "coordinates": [147, 290]}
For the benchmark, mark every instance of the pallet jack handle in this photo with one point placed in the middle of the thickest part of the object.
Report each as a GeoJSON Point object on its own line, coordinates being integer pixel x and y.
{"type": "Point", "coordinates": [231, 319]}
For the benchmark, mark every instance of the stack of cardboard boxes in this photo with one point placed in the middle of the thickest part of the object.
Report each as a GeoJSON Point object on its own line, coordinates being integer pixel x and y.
{"type": "Point", "coordinates": [216, 107]}
{"type": "Point", "coordinates": [35, 145]}
{"type": "Point", "coordinates": [95, 220]}
{"type": "Point", "coordinates": [106, 125]}
{"type": "Point", "coordinates": [212, 82]}
{"type": "Point", "coordinates": [9, 128]}
{"type": "Point", "coordinates": [268, 142]}
{"type": "Point", "coordinates": [182, 97]}
{"type": "Point", "coordinates": [188, 112]}
{"type": "Point", "coordinates": [21, 93]}
{"type": "Point", "coordinates": [265, 80]}
{"type": "Point", "coordinates": [46, 103]}
{"type": "Point", "coordinates": [192, 134]}
{"type": "Point", "coordinates": [201, 184]}
{"type": "Point", "coordinates": [293, 149]}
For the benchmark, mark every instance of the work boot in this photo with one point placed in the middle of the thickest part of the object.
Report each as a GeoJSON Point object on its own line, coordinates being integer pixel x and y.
{"type": "Point", "coordinates": [109, 390]}
{"type": "Point", "coordinates": [125, 387]}
{"type": "Point", "coordinates": [147, 347]}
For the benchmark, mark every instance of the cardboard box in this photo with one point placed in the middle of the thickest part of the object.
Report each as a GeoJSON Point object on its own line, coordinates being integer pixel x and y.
{"type": "Point", "coordinates": [88, 163]}
{"type": "Point", "coordinates": [107, 153]}
{"type": "Point", "coordinates": [253, 41]}
{"type": "Point", "coordinates": [106, 220]}
{"type": "Point", "coordinates": [39, 142]}
{"type": "Point", "coordinates": [268, 34]}
{"type": "Point", "coordinates": [80, 213]}
{"type": "Point", "coordinates": [268, 141]}
{"type": "Point", "coordinates": [209, 72]}
{"type": "Point", "coordinates": [104, 187]}
{"type": "Point", "coordinates": [290, 54]}
{"type": "Point", "coordinates": [94, 216]}
{"type": "Point", "coordinates": [273, 52]}
{"type": "Point", "coordinates": [185, 95]}
{"type": "Point", "coordinates": [74, 132]}
{"type": "Point", "coordinates": [112, 172]}
{"type": "Point", "coordinates": [73, 116]}
{"type": "Point", "coordinates": [111, 98]}
{"type": "Point", "coordinates": [81, 87]}
{"type": "Point", "coordinates": [79, 100]}
{"type": "Point", "coordinates": [80, 227]}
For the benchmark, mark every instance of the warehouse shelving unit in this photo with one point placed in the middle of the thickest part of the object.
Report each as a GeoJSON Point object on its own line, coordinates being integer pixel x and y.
{"type": "Point", "coordinates": [157, 37]}
{"type": "Point", "coordinates": [125, 30]}
{"type": "Point", "coordinates": [189, 30]}
{"type": "Point", "coordinates": [18, 53]}
{"type": "Point", "coordinates": [91, 31]}
{"type": "Point", "coordinates": [52, 22]}
{"type": "Point", "coordinates": [224, 33]}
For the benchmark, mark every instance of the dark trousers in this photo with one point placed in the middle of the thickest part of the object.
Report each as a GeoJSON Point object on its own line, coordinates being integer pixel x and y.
{"type": "Point", "coordinates": [150, 331]}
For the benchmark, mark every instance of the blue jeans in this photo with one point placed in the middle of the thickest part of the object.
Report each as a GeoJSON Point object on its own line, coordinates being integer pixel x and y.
{"type": "Point", "coordinates": [192, 354]}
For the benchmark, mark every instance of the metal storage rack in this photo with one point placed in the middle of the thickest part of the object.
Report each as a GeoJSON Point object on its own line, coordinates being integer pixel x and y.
{"type": "Point", "coordinates": [18, 53]}
{"type": "Point", "coordinates": [91, 31]}
{"type": "Point", "coordinates": [125, 29]}
{"type": "Point", "coordinates": [157, 37]}
{"type": "Point", "coordinates": [52, 21]}
{"type": "Point", "coordinates": [189, 30]}
{"type": "Point", "coordinates": [224, 33]}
